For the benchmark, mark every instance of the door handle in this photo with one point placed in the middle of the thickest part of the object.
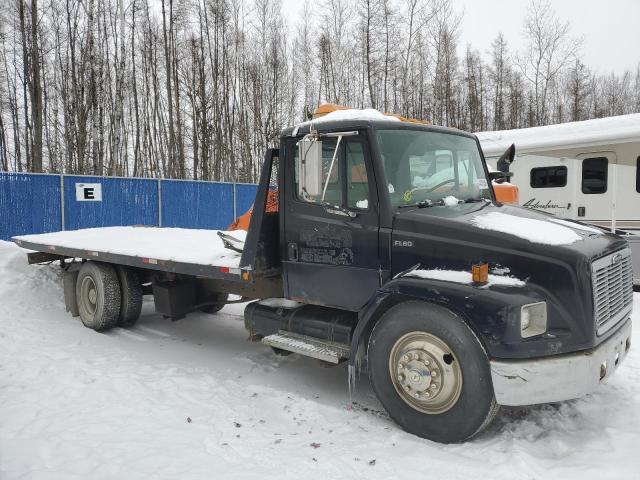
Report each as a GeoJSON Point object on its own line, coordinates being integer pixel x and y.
{"type": "Point", "coordinates": [581, 211]}
{"type": "Point", "coordinates": [292, 249]}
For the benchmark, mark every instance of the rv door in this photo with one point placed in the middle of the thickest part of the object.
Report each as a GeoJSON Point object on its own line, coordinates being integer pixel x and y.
{"type": "Point", "coordinates": [595, 186]}
{"type": "Point", "coordinates": [545, 183]}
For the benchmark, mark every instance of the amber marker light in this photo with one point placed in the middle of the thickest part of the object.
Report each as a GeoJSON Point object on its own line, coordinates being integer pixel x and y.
{"type": "Point", "coordinates": [480, 273]}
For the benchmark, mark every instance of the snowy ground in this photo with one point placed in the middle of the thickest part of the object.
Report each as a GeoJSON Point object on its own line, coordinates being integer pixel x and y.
{"type": "Point", "coordinates": [195, 399]}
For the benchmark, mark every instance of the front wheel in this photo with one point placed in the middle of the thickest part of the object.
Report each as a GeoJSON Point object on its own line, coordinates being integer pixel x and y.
{"type": "Point", "coordinates": [431, 373]}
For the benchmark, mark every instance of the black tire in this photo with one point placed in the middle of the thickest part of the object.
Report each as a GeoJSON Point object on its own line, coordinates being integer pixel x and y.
{"type": "Point", "coordinates": [98, 295]}
{"type": "Point", "coordinates": [131, 291]}
{"type": "Point", "coordinates": [218, 302]}
{"type": "Point", "coordinates": [280, 352]}
{"type": "Point", "coordinates": [470, 411]}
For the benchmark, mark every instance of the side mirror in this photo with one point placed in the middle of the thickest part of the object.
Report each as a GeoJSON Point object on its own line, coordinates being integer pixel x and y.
{"type": "Point", "coordinates": [507, 158]}
{"type": "Point", "coordinates": [500, 177]}
{"type": "Point", "coordinates": [309, 168]}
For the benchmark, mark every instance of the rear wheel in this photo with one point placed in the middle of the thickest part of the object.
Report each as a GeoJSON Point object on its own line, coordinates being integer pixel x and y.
{"type": "Point", "coordinates": [98, 296]}
{"type": "Point", "coordinates": [131, 291]}
{"type": "Point", "coordinates": [431, 373]}
{"type": "Point", "coordinates": [218, 301]}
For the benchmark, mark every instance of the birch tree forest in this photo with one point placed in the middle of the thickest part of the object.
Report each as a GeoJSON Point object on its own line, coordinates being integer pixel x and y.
{"type": "Point", "coordinates": [198, 88]}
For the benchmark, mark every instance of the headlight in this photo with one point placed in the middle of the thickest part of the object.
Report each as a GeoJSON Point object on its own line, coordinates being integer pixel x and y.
{"type": "Point", "coordinates": [533, 319]}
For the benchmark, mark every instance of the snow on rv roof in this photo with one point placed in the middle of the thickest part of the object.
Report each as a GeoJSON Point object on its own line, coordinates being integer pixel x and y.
{"type": "Point", "coordinates": [565, 135]}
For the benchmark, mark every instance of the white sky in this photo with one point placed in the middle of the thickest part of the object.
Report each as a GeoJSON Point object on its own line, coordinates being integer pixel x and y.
{"type": "Point", "coordinates": [610, 28]}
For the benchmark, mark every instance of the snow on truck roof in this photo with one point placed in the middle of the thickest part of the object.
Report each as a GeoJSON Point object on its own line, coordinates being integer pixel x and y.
{"type": "Point", "coordinates": [620, 129]}
{"type": "Point", "coordinates": [367, 114]}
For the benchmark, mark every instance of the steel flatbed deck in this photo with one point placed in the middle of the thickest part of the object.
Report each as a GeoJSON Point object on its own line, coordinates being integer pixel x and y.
{"type": "Point", "coordinates": [46, 253]}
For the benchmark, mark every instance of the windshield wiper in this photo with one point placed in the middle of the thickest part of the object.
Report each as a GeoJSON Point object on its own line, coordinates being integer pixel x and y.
{"type": "Point", "coordinates": [474, 200]}
{"type": "Point", "coordinates": [423, 204]}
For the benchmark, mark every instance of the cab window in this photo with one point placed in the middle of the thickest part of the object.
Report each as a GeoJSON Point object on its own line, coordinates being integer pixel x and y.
{"type": "Point", "coordinates": [422, 165]}
{"type": "Point", "coordinates": [357, 180]}
{"type": "Point", "coordinates": [344, 174]}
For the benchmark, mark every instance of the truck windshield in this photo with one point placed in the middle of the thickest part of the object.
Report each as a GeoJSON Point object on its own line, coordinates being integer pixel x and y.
{"type": "Point", "coordinates": [424, 166]}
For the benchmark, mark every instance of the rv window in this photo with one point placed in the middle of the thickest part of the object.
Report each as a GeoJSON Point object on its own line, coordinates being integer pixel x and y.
{"type": "Point", "coordinates": [594, 175]}
{"type": "Point", "coordinates": [549, 177]}
{"type": "Point", "coordinates": [638, 176]}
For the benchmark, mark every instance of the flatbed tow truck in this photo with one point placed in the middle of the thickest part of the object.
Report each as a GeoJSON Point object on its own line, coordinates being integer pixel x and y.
{"type": "Point", "coordinates": [387, 250]}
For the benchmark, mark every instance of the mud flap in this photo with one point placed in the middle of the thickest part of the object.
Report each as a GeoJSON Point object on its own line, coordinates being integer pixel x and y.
{"type": "Point", "coordinates": [69, 281]}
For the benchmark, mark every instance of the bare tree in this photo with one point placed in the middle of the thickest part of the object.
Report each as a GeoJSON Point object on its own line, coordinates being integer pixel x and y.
{"type": "Point", "coordinates": [578, 89]}
{"type": "Point", "coordinates": [198, 88]}
{"type": "Point", "coordinates": [548, 49]}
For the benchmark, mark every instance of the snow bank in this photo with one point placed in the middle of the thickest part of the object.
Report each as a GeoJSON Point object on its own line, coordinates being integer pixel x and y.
{"type": "Point", "coordinates": [534, 230]}
{"type": "Point", "coordinates": [202, 247]}
{"type": "Point", "coordinates": [456, 276]}
{"type": "Point", "coordinates": [195, 400]}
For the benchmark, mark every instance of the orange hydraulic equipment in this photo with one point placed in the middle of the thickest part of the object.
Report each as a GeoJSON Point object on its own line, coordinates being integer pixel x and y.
{"type": "Point", "coordinates": [242, 222]}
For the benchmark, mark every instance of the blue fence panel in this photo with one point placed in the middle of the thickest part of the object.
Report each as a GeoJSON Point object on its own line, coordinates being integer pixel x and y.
{"type": "Point", "coordinates": [125, 201]}
{"type": "Point", "coordinates": [245, 196]}
{"type": "Point", "coordinates": [29, 204]}
{"type": "Point", "coordinates": [196, 204]}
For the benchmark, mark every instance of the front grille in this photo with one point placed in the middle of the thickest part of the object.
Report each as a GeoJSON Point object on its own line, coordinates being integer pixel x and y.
{"type": "Point", "coordinates": [612, 289]}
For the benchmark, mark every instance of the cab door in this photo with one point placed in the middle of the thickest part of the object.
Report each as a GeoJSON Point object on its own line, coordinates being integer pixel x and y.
{"type": "Point", "coordinates": [331, 240]}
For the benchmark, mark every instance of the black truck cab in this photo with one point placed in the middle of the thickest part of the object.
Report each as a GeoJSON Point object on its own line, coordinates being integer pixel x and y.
{"type": "Point", "coordinates": [382, 246]}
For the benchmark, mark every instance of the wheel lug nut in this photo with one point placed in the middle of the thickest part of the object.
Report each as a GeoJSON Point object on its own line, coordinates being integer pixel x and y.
{"type": "Point", "coordinates": [400, 378]}
{"type": "Point", "coordinates": [405, 358]}
{"type": "Point", "coordinates": [434, 386]}
{"type": "Point", "coordinates": [434, 373]}
{"type": "Point", "coordinates": [427, 394]}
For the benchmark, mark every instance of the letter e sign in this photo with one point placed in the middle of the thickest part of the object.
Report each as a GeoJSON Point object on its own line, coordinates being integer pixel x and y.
{"type": "Point", "coordinates": [88, 192]}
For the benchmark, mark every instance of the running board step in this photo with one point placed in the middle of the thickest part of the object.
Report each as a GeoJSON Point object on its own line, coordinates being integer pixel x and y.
{"type": "Point", "coordinates": [325, 350]}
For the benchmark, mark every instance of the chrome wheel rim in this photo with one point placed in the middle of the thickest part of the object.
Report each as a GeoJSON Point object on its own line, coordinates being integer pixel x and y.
{"type": "Point", "coordinates": [89, 295]}
{"type": "Point", "coordinates": [425, 372]}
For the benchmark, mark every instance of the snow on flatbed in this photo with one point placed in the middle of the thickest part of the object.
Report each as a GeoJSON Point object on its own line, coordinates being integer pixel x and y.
{"type": "Point", "coordinates": [200, 247]}
{"type": "Point", "coordinates": [195, 400]}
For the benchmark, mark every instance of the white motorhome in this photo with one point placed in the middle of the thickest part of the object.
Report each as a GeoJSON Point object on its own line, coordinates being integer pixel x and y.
{"type": "Point", "coordinates": [587, 171]}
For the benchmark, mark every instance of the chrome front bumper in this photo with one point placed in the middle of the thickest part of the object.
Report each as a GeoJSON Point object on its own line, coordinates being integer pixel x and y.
{"type": "Point", "coordinates": [562, 377]}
